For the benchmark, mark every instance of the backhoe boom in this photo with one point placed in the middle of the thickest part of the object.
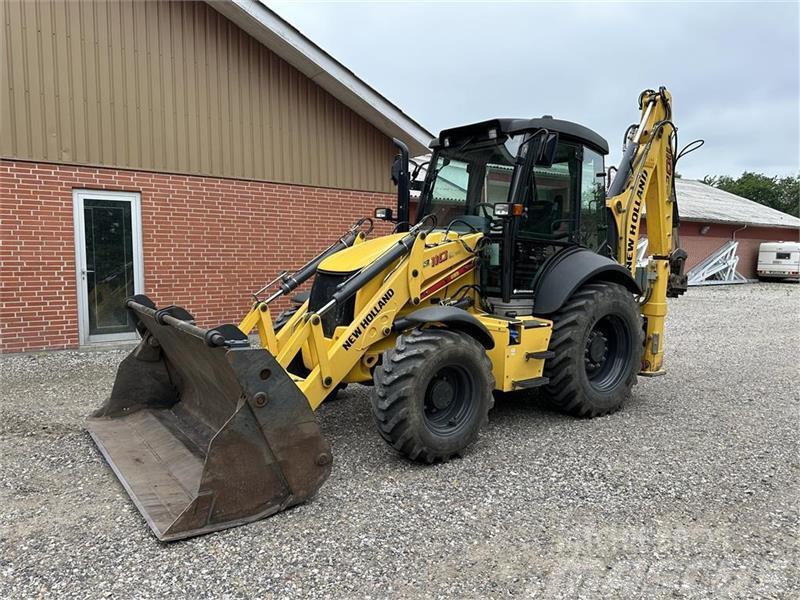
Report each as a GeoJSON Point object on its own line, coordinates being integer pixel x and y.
{"type": "Point", "coordinates": [644, 185]}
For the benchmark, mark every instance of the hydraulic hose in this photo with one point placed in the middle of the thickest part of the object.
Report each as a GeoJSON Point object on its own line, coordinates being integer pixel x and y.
{"type": "Point", "coordinates": [177, 317]}
{"type": "Point", "coordinates": [623, 171]}
{"type": "Point", "coordinates": [626, 164]}
{"type": "Point", "coordinates": [355, 283]}
{"type": "Point", "coordinates": [287, 282]}
{"type": "Point", "coordinates": [360, 279]}
{"type": "Point", "coordinates": [291, 282]}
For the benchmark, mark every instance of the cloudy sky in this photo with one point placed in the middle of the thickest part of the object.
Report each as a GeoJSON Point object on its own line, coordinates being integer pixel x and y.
{"type": "Point", "coordinates": [733, 68]}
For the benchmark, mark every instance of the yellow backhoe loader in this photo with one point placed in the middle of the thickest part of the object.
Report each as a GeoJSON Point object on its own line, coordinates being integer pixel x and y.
{"type": "Point", "coordinates": [518, 271]}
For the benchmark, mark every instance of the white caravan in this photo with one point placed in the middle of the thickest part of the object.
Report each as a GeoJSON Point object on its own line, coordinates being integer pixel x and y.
{"type": "Point", "coordinates": [779, 260]}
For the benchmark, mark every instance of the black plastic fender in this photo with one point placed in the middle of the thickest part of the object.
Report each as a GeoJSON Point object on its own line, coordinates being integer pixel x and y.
{"type": "Point", "coordinates": [301, 297]}
{"type": "Point", "coordinates": [570, 269]}
{"type": "Point", "coordinates": [451, 317]}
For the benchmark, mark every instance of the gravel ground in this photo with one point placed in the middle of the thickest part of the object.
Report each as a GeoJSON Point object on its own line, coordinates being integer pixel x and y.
{"type": "Point", "coordinates": [690, 491]}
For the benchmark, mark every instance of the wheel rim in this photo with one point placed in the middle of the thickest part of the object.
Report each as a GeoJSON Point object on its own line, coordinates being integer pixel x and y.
{"type": "Point", "coordinates": [607, 353]}
{"type": "Point", "coordinates": [448, 403]}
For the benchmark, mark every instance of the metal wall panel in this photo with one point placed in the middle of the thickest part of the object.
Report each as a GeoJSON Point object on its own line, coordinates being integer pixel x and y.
{"type": "Point", "coordinates": [173, 87]}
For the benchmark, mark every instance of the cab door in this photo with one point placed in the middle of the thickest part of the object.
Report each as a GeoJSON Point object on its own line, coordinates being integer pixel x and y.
{"type": "Point", "coordinates": [592, 225]}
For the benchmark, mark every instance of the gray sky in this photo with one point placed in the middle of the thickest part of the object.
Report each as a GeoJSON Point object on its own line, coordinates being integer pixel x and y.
{"type": "Point", "coordinates": [733, 68]}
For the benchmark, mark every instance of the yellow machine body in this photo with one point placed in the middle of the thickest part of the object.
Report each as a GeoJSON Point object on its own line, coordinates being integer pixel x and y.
{"type": "Point", "coordinates": [650, 191]}
{"type": "Point", "coordinates": [434, 267]}
{"type": "Point", "coordinates": [207, 431]}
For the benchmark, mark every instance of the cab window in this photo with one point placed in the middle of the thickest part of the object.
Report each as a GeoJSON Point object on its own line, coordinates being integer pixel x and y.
{"type": "Point", "coordinates": [498, 182]}
{"type": "Point", "coordinates": [550, 195]}
{"type": "Point", "coordinates": [593, 201]}
{"type": "Point", "coordinates": [449, 192]}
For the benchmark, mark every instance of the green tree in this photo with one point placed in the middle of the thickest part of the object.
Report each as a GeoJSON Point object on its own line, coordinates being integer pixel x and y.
{"type": "Point", "coordinates": [780, 193]}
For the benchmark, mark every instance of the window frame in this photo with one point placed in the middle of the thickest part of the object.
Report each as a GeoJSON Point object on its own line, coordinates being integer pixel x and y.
{"type": "Point", "coordinates": [79, 195]}
{"type": "Point", "coordinates": [602, 211]}
{"type": "Point", "coordinates": [577, 148]}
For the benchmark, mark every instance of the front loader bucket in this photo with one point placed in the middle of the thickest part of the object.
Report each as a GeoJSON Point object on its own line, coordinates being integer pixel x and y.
{"type": "Point", "coordinates": [203, 434]}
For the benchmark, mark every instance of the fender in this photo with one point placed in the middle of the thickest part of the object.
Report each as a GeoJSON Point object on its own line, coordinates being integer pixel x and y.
{"type": "Point", "coordinates": [570, 269]}
{"type": "Point", "coordinates": [300, 298]}
{"type": "Point", "coordinates": [451, 317]}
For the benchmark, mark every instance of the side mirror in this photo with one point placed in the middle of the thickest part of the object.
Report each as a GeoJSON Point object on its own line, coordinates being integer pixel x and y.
{"type": "Point", "coordinates": [547, 151]}
{"type": "Point", "coordinates": [383, 214]}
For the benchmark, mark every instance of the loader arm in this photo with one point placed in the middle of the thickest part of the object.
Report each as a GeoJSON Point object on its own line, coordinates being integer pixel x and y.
{"type": "Point", "coordinates": [645, 182]}
{"type": "Point", "coordinates": [416, 267]}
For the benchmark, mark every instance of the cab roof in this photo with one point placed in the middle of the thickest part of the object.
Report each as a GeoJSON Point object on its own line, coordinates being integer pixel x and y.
{"type": "Point", "coordinates": [565, 129]}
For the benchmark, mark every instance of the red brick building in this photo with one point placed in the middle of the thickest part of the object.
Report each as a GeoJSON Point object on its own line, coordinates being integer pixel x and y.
{"type": "Point", "coordinates": [711, 217]}
{"type": "Point", "coordinates": [186, 150]}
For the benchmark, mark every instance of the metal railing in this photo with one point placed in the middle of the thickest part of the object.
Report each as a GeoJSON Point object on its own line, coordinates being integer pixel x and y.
{"type": "Point", "coordinates": [718, 268]}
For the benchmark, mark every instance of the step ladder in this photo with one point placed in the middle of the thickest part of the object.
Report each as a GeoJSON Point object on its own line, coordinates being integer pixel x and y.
{"type": "Point", "coordinates": [718, 268]}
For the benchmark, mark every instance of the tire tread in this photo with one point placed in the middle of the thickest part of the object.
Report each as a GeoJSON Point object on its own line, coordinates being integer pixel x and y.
{"type": "Point", "coordinates": [394, 389]}
{"type": "Point", "coordinates": [564, 390]}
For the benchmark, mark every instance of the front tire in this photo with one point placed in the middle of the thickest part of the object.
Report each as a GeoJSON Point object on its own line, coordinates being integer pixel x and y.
{"type": "Point", "coordinates": [432, 394]}
{"type": "Point", "coordinates": [598, 341]}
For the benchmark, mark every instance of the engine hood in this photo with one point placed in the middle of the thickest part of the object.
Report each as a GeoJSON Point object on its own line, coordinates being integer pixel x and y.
{"type": "Point", "coordinates": [359, 256]}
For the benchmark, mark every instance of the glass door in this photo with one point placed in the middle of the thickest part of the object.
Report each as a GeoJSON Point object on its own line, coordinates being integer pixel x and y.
{"type": "Point", "coordinates": [109, 261]}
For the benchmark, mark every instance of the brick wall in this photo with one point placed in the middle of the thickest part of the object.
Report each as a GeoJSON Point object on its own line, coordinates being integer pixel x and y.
{"type": "Point", "coordinates": [700, 246]}
{"type": "Point", "coordinates": [208, 242]}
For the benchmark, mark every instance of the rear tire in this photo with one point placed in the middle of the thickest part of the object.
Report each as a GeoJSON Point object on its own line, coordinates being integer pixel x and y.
{"type": "Point", "coordinates": [432, 394]}
{"type": "Point", "coordinates": [598, 341]}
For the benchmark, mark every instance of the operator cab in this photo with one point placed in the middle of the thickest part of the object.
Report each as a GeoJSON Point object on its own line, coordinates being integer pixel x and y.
{"type": "Point", "coordinates": [549, 173]}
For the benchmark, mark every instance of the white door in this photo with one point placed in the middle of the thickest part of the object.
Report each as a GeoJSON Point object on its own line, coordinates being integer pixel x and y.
{"type": "Point", "coordinates": [108, 255]}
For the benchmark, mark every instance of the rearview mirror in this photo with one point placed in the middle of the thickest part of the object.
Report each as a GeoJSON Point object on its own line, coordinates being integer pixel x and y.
{"type": "Point", "coordinates": [547, 151]}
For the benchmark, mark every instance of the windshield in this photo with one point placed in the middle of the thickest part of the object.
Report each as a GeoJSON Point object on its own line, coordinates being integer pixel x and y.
{"type": "Point", "coordinates": [463, 177]}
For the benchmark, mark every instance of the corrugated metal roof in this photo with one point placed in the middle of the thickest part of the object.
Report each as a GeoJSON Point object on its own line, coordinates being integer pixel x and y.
{"type": "Point", "coordinates": [700, 202]}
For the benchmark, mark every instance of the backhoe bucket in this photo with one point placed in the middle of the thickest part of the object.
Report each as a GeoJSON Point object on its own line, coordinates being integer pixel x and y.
{"type": "Point", "coordinates": [205, 432]}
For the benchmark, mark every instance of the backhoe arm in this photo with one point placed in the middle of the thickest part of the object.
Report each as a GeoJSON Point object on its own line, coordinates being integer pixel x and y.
{"type": "Point", "coordinates": [645, 182]}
